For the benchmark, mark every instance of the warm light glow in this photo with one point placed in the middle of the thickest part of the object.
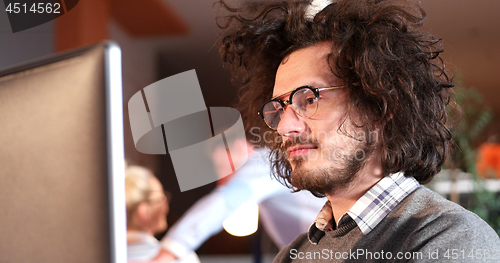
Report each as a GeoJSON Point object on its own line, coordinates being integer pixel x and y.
{"type": "Point", "coordinates": [244, 221]}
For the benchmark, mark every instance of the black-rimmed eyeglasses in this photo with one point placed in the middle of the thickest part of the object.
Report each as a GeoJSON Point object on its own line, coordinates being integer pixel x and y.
{"type": "Point", "coordinates": [304, 101]}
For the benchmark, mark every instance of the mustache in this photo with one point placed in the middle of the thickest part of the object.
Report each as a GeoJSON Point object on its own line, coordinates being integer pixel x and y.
{"type": "Point", "coordinates": [298, 142]}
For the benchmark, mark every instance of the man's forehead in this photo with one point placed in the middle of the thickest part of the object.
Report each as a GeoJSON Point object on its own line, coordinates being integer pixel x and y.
{"type": "Point", "coordinates": [285, 60]}
{"type": "Point", "coordinates": [304, 67]}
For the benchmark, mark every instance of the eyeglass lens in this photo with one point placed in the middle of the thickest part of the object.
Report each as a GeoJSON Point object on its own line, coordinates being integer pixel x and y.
{"type": "Point", "coordinates": [304, 103]}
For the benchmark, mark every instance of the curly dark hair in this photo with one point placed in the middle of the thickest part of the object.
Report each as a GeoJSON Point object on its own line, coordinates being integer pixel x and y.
{"type": "Point", "coordinates": [392, 69]}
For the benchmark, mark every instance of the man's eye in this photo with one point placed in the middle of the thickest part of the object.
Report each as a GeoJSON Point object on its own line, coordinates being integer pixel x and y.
{"type": "Point", "coordinates": [310, 100]}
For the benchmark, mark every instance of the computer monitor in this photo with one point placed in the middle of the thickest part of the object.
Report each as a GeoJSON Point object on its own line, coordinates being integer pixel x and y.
{"type": "Point", "coordinates": [62, 160]}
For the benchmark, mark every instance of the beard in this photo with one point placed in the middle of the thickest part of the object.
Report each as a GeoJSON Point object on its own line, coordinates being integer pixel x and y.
{"type": "Point", "coordinates": [343, 168]}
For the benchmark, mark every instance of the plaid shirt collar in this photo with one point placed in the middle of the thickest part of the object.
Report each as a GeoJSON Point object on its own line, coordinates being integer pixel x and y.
{"type": "Point", "coordinates": [370, 209]}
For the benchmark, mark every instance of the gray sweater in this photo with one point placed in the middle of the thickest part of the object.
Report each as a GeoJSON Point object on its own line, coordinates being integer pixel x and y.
{"type": "Point", "coordinates": [424, 227]}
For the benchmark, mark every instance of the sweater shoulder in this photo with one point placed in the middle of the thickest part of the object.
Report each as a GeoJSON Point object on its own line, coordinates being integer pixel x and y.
{"type": "Point", "coordinates": [297, 244]}
{"type": "Point", "coordinates": [427, 217]}
{"type": "Point", "coordinates": [430, 206]}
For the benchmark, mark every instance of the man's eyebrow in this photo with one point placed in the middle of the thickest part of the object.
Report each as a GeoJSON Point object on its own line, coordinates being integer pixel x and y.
{"type": "Point", "coordinates": [283, 94]}
{"type": "Point", "coordinates": [310, 84]}
{"type": "Point", "coordinates": [318, 85]}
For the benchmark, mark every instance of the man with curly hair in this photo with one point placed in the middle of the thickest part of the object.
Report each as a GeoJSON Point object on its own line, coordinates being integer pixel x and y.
{"type": "Point", "coordinates": [356, 96]}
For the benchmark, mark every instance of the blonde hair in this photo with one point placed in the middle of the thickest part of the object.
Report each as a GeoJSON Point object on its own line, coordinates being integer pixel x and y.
{"type": "Point", "coordinates": [137, 187]}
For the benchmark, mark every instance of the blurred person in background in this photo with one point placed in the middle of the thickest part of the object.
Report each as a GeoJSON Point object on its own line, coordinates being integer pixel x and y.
{"type": "Point", "coordinates": [147, 209]}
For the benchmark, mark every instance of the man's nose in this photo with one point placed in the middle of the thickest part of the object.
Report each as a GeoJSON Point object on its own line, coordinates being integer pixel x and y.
{"type": "Point", "coordinates": [291, 125]}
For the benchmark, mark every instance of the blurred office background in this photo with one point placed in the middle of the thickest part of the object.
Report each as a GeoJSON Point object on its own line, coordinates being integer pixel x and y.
{"type": "Point", "coordinates": [160, 38]}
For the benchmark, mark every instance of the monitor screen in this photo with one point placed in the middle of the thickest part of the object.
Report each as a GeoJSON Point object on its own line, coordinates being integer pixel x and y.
{"type": "Point", "coordinates": [61, 159]}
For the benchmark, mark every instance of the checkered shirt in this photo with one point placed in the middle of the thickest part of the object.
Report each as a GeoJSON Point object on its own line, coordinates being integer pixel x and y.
{"type": "Point", "coordinates": [371, 208]}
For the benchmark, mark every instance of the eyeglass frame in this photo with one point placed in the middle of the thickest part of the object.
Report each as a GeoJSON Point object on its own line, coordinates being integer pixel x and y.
{"type": "Point", "coordinates": [284, 104]}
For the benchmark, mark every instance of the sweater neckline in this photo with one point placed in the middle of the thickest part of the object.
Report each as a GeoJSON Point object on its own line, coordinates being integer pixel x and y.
{"type": "Point", "coordinates": [314, 234]}
{"type": "Point", "coordinates": [343, 229]}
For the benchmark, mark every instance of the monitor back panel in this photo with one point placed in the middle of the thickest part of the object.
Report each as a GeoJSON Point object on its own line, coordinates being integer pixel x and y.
{"type": "Point", "coordinates": [53, 162]}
